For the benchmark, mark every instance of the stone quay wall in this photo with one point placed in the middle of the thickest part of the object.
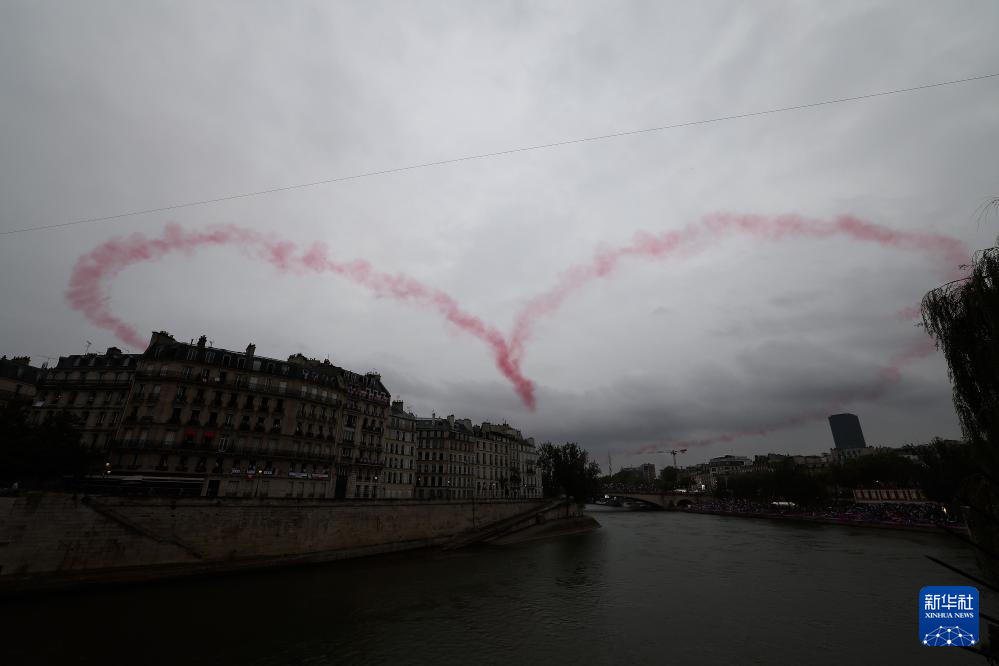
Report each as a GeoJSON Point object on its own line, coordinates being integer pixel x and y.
{"type": "Point", "coordinates": [58, 539]}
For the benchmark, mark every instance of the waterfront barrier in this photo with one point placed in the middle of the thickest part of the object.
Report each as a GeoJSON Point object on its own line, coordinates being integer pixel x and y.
{"type": "Point", "coordinates": [53, 540]}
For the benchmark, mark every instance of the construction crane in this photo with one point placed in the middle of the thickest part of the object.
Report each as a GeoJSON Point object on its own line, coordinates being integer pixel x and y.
{"type": "Point", "coordinates": [674, 452]}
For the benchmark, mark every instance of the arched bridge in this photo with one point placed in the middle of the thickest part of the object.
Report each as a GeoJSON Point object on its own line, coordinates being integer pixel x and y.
{"type": "Point", "coordinates": [663, 500]}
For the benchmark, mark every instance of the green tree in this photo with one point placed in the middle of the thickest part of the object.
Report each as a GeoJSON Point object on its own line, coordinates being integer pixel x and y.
{"type": "Point", "coordinates": [38, 455]}
{"type": "Point", "coordinates": [963, 319]}
{"type": "Point", "coordinates": [567, 469]}
{"type": "Point", "coordinates": [888, 468]}
{"type": "Point", "coordinates": [669, 478]}
{"type": "Point", "coordinates": [946, 467]}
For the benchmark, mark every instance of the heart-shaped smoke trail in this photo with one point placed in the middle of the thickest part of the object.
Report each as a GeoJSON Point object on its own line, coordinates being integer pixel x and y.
{"type": "Point", "coordinates": [91, 276]}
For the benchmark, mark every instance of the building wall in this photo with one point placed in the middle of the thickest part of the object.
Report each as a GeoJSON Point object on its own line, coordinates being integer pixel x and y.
{"type": "Point", "coordinates": [92, 387]}
{"type": "Point", "coordinates": [445, 459]}
{"type": "Point", "coordinates": [495, 470]}
{"type": "Point", "coordinates": [400, 448]}
{"type": "Point", "coordinates": [189, 418]}
{"type": "Point", "coordinates": [18, 380]}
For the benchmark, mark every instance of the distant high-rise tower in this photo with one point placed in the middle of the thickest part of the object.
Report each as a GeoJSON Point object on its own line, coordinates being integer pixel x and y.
{"type": "Point", "coordinates": [846, 431]}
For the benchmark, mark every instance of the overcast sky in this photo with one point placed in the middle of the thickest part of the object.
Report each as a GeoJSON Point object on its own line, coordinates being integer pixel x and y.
{"type": "Point", "coordinates": [110, 107]}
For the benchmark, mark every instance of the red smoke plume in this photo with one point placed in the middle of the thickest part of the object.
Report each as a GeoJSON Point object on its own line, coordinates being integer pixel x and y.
{"type": "Point", "coordinates": [88, 285]}
{"type": "Point", "coordinates": [87, 291]}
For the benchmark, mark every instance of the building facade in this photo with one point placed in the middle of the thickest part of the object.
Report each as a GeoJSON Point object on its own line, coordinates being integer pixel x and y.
{"type": "Point", "coordinates": [189, 418]}
{"type": "Point", "coordinates": [18, 380]}
{"type": "Point", "coordinates": [95, 389]}
{"type": "Point", "coordinates": [213, 421]}
{"type": "Point", "coordinates": [362, 450]}
{"type": "Point", "coordinates": [444, 459]}
{"type": "Point", "coordinates": [400, 449]}
{"type": "Point", "coordinates": [846, 431]}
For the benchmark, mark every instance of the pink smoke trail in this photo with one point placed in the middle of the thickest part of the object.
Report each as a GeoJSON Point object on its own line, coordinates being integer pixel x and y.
{"type": "Point", "coordinates": [88, 287]}
{"type": "Point", "coordinates": [947, 253]}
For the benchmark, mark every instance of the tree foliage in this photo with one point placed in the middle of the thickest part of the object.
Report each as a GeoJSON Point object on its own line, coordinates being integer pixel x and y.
{"type": "Point", "coordinates": [567, 469]}
{"type": "Point", "coordinates": [963, 319]}
{"type": "Point", "coordinates": [946, 467]}
{"type": "Point", "coordinates": [36, 455]}
{"type": "Point", "coordinates": [939, 469]}
{"type": "Point", "coordinates": [784, 482]}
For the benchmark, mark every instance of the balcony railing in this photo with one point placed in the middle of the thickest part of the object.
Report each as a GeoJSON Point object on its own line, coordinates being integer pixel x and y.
{"type": "Point", "coordinates": [50, 383]}
{"type": "Point", "coordinates": [214, 449]}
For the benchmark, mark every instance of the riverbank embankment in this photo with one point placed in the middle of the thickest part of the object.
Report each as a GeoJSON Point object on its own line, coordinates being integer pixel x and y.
{"type": "Point", "coordinates": [55, 540]}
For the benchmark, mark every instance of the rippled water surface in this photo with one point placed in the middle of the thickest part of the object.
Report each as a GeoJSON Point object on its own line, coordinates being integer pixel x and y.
{"type": "Point", "coordinates": [647, 588]}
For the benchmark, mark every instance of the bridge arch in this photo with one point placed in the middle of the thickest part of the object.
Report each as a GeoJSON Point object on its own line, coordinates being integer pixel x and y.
{"type": "Point", "coordinates": [667, 500]}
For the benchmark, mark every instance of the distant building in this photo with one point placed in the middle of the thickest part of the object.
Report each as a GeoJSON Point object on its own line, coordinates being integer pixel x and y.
{"type": "Point", "coordinates": [840, 456]}
{"type": "Point", "coordinates": [648, 471]}
{"type": "Point", "coordinates": [723, 465]}
{"type": "Point", "coordinates": [811, 462]}
{"type": "Point", "coordinates": [846, 431]}
{"type": "Point", "coordinates": [699, 475]}
{"type": "Point", "coordinates": [769, 462]}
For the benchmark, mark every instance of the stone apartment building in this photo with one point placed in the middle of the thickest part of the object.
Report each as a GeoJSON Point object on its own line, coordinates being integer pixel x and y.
{"type": "Point", "coordinates": [505, 463]}
{"type": "Point", "coordinates": [92, 387]}
{"type": "Point", "coordinates": [459, 460]}
{"type": "Point", "coordinates": [400, 449]}
{"type": "Point", "coordinates": [495, 473]}
{"type": "Point", "coordinates": [445, 453]}
{"type": "Point", "coordinates": [189, 418]}
{"type": "Point", "coordinates": [361, 461]}
{"type": "Point", "coordinates": [527, 460]}
{"type": "Point", "coordinates": [18, 380]}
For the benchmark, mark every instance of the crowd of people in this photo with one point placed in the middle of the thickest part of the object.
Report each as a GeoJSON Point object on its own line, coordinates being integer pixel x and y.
{"type": "Point", "coordinates": [887, 513]}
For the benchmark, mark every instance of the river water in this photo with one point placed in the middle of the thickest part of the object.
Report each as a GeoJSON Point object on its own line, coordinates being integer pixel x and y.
{"type": "Point", "coordinates": [646, 588]}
